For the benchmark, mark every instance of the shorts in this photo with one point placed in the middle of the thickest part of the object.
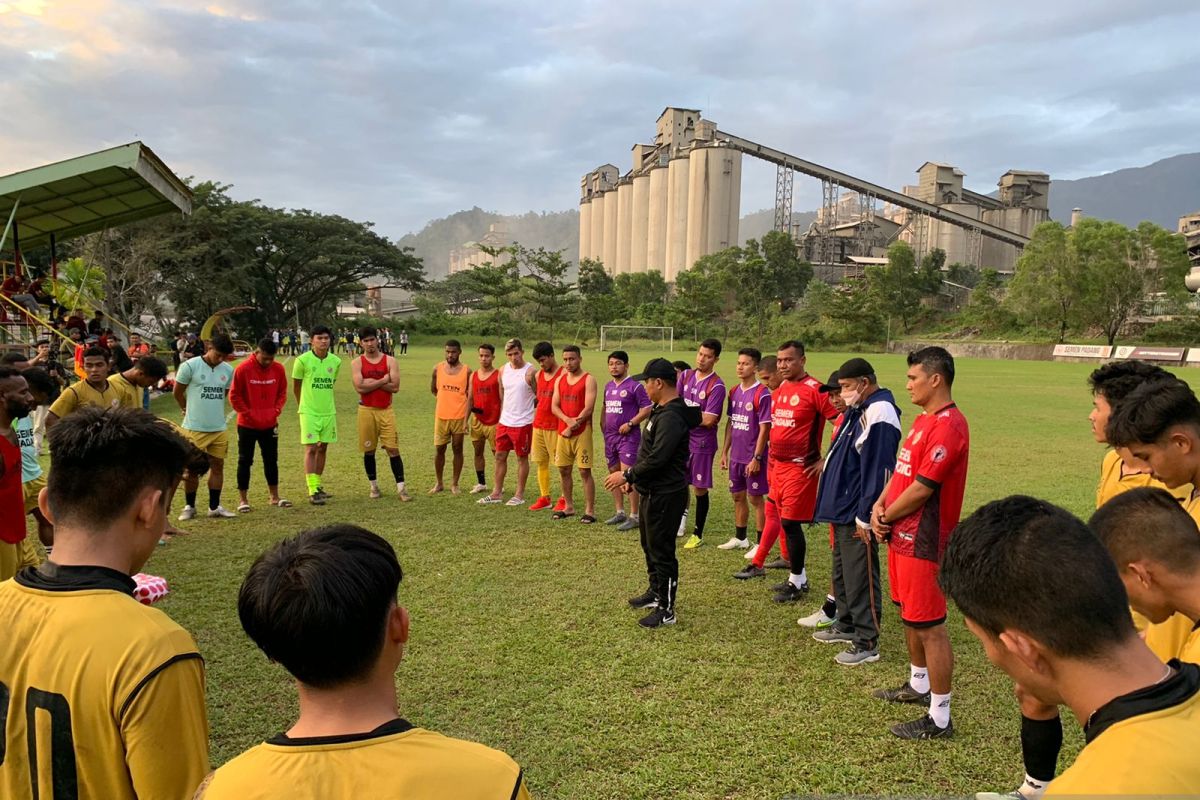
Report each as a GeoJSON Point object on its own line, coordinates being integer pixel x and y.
{"type": "Point", "coordinates": [516, 439]}
{"type": "Point", "coordinates": [574, 450]}
{"type": "Point", "coordinates": [621, 450]}
{"type": "Point", "coordinates": [545, 443]}
{"type": "Point", "coordinates": [700, 470]}
{"type": "Point", "coordinates": [444, 430]}
{"type": "Point", "coordinates": [915, 590]}
{"type": "Point", "coordinates": [376, 428]}
{"type": "Point", "coordinates": [214, 444]}
{"type": "Point", "coordinates": [16, 556]}
{"type": "Point", "coordinates": [31, 489]}
{"type": "Point", "coordinates": [482, 433]}
{"type": "Point", "coordinates": [318, 428]}
{"type": "Point", "coordinates": [754, 485]}
{"type": "Point", "coordinates": [793, 491]}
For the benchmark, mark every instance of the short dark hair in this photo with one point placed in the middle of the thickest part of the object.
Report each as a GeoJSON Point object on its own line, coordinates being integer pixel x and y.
{"type": "Point", "coordinates": [40, 381]}
{"type": "Point", "coordinates": [491, 348]}
{"type": "Point", "coordinates": [102, 458]}
{"type": "Point", "coordinates": [754, 353]}
{"type": "Point", "coordinates": [768, 364]}
{"type": "Point", "coordinates": [1149, 411]}
{"type": "Point", "coordinates": [542, 349]}
{"type": "Point", "coordinates": [1148, 522]}
{"type": "Point", "coordinates": [712, 344]}
{"type": "Point", "coordinates": [95, 352]}
{"type": "Point", "coordinates": [681, 365]}
{"type": "Point", "coordinates": [1023, 564]}
{"type": "Point", "coordinates": [221, 343]}
{"type": "Point", "coordinates": [318, 602]}
{"type": "Point", "coordinates": [934, 360]}
{"type": "Point", "coordinates": [319, 330]}
{"type": "Point", "coordinates": [619, 355]}
{"type": "Point", "coordinates": [152, 367]}
{"type": "Point", "coordinates": [573, 348]}
{"type": "Point", "coordinates": [1115, 381]}
{"type": "Point", "coordinates": [453, 343]}
{"type": "Point", "coordinates": [11, 357]}
{"type": "Point", "coordinates": [790, 344]}
{"type": "Point", "coordinates": [41, 342]}
{"type": "Point", "coordinates": [367, 332]}
{"type": "Point", "coordinates": [268, 346]}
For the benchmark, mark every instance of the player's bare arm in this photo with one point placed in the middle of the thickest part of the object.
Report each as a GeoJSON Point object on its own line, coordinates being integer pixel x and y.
{"type": "Point", "coordinates": [557, 410]}
{"type": "Point", "coordinates": [180, 395]}
{"type": "Point", "coordinates": [638, 419]}
{"type": "Point", "coordinates": [433, 382]}
{"type": "Point", "coordinates": [709, 420]}
{"type": "Point", "coordinates": [760, 447]}
{"type": "Point", "coordinates": [393, 382]}
{"type": "Point", "coordinates": [727, 443]}
{"type": "Point", "coordinates": [470, 397]}
{"type": "Point", "coordinates": [589, 401]}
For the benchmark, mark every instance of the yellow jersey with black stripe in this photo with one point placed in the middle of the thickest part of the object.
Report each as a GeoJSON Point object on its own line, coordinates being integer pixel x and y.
{"type": "Point", "coordinates": [1144, 743]}
{"type": "Point", "coordinates": [393, 761]}
{"type": "Point", "coordinates": [1167, 638]}
{"type": "Point", "coordinates": [84, 394]}
{"type": "Point", "coordinates": [1114, 480]}
{"type": "Point", "coordinates": [100, 696]}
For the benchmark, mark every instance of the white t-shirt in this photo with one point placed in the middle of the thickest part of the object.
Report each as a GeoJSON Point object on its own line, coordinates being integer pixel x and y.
{"type": "Point", "coordinates": [519, 399]}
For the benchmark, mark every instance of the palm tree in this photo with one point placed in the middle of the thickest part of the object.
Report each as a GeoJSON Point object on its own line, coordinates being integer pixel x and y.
{"type": "Point", "coordinates": [79, 286]}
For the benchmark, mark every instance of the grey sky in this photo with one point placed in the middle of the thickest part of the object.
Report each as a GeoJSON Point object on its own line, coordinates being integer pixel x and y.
{"type": "Point", "coordinates": [401, 112]}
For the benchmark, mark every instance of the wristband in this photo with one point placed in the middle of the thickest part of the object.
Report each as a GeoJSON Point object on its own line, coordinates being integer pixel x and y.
{"type": "Point", "coordinates": [758, 457]}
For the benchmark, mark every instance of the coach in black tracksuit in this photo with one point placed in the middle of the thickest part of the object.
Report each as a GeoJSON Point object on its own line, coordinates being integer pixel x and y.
{"type": "Point", "coordinates": [660, 477]}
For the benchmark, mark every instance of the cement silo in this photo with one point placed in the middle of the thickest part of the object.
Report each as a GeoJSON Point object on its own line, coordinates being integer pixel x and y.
{"type": "Point", "coordinates": [677, 218]}
{"type": "Point", "coordinates": [656, 231]}
{"type": "Point", "coordinates": [624, 225]}
{"type": "Point", "coordinates": [609, 254]}
{"type": "Point", "coordinates": [714, 198]}
{"type": "Point", "coordinates": [597, 239]}
{"type": "Point", "coordinates": [585, 229]}
{"type": "Point", "coordinates": [639, 223]}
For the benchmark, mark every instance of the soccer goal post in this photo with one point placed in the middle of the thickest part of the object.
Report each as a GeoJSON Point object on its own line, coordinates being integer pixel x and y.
{"type": "Point", "coordinates": [637, 337]}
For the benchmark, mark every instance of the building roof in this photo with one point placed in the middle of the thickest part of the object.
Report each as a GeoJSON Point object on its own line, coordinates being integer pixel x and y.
{"type": "Point", "coordinates": [957, 171]}
{"type": "Point", "coordinates": [677, 108]}
{"type": "Point", "coordinates": [90, 193]}
{"type": "Point", "coordinates": [869, 260]}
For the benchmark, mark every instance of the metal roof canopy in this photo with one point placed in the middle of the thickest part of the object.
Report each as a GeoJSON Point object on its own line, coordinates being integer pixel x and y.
{"type": "Point", "coordinates": [89, 193]}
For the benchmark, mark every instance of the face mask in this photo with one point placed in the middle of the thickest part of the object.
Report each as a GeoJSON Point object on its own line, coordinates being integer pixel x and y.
{"type": "Point", "coordinates": [852, 399]}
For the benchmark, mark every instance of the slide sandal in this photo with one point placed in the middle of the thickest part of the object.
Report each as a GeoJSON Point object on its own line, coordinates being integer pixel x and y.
{"type": "Point", "coordinates": [244, 508]}
{"type": "Point", "coordinates": [562, 514]}
{"type": "Point", "coordinates": [587, 519]}
{"type": "Point", "coordinates": [283, 503]}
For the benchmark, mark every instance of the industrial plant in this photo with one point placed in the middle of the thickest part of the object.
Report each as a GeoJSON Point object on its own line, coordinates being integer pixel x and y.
{"type": "Point", "coordinates": [681, 200]}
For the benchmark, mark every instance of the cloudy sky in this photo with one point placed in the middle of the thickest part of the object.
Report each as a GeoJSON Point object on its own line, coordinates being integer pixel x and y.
{"type": "Point", "coordinates": [399, 112]}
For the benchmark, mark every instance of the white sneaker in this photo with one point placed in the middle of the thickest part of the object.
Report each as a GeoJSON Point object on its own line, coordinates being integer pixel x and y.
{"type": "Point", "coordinates": [682, 527]}
{"type": "Point", "coordinates": [734, 544]}
{"type": "Point", "coordinates": [817, 619]}
{"type": "Point", "coordinates": [751, 553]}
{"type": "Point", "coordinates": [189, 512]}
{"type": "Point", "coordinates": [220, 512]}
{"type": "Point", "coordinates": [477, 488]}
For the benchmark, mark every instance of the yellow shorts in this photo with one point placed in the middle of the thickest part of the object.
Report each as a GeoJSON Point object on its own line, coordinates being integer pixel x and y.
{"type": "Point", "coordinates": [446, 429]}
{"type": "Point", "coordinates": [545, 444]}
{"type": "Point", "coordinates": [31, 489]}
{"type": "Point", "coordinates": [15, 557]}
{"type": "Point", "coordinates": [576, 450]}
{"type": "Point", "coordinates": [482, 433]}
{"type": "Point", "coordinates": [376, 428]}
{"type": "Point", "coordinates": [213, 443]}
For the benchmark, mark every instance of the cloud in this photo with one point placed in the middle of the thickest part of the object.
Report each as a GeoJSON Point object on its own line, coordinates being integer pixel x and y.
{"type": "Point", "coordinates": [399, 113]}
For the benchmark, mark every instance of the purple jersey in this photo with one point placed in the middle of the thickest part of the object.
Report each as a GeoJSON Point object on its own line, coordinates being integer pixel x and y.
{"type": "Point", "coordinates": [748, 409]}
{"type": "Point", "coordinates": [707, 394]}
{"type": "Point", "coordinates": [622, 402]}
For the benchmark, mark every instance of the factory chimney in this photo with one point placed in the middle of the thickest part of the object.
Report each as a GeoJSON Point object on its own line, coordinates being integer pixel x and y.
{"type": "Point", "coordinates": [1076, 216]}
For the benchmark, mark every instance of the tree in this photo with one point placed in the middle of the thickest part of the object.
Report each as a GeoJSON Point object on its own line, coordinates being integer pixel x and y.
{"type": "Point", "coordinates": [598, 302]}
{"type": "Point", "coordinates": [1047, 285]}
{"type": "Point", "coordinates": [1107, 255]}
{"type": "Point", "coordinates": [546, 285]}
{"type": "Point", "coordinates": [641, 297]}
{"type": "Point", "coordinates": [497, 286]}
{"type": "Point", "coordinates": [787, 275]}
{"type": "Point", "coordinates": [80, 285]}
{"type": "Point", "coordinates": [896, 288]}
{"type": "Point", "coordinates": [929, 277]}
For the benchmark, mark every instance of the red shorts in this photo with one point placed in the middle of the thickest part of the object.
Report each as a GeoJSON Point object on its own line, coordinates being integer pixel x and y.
{"type": "Point", "coordinates": [516, 439]}
{"type": "Point", "coordinates": [915, 590]}
{"type": "Point", "coordinates": [792, 490]}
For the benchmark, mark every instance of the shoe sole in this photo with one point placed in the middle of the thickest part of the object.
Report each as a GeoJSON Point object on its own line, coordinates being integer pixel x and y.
{"type": "Point", "coordinates": [915, 700]}
{"type": "Point", "coordinates": [949, 734]}
{"type": "Point", "coordinates": [742, 577]}
{"type": "Point", "coordinates": [815, 638]}
{"type": "Point", "coordinates": [867, 660]}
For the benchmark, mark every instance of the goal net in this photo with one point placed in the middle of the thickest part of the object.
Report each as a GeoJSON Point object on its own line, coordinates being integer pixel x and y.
{"type": "Point", "coordinates": [637, 337]}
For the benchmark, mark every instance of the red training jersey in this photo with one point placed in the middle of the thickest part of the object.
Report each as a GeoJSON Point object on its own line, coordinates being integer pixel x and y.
{"type": "Point", "coordinates": [571, 400]}
{"type": "Point", "coordinates": [935, 453]}
{"type": "Point", "coordinates": [544, 418]}
{"type": "Point", "coordinates": [798, 414]}
{"type": "Point", "coordinates": [257, 394]}
{"type": "Point", "coordinates": [12, 497]}
{"type": "Point", "coordinates": [376, 398]}
{"type": "Point", "coordinates": [485, 394]}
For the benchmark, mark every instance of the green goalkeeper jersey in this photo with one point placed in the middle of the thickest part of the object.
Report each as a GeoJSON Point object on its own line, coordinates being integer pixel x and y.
{"type": "Point", "coordinates": [319, 375]}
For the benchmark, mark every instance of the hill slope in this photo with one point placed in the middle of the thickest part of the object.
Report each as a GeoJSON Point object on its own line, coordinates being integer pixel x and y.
{"type": "Point", "coordinates": [1161, 192]}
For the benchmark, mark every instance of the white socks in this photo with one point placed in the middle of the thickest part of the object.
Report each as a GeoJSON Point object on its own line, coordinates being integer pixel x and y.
{"type": "Point", "coordinates": [918, 678]}
{"type": "Point", "coordinates": [799, 580]}
{"type": "Point", "coordinates": [399, 486]}
{"type": "Point", "coordinates": [1032, 788]}
{"type": "Point", "coordinates": [939, 709]}
{"type": "Point", "coordinates": [682, 524]}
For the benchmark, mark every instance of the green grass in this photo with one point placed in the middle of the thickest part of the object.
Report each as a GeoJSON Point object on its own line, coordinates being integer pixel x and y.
{"type": "Point", "coordinates": [521, 637]}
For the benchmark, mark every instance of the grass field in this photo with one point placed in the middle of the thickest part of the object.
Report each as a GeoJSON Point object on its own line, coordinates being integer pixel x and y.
{"type": "Point", "coordinates": [521, 637]}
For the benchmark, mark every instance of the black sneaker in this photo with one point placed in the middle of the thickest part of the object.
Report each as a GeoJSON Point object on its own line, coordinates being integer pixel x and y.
{"type": "Point", "coordinates": [317, 498]}
{"type": "Point", "coordinates": [790, 594]}
{"type": "Point", "coordinates": [779, 563]}
{"type": "Point", "coordinates": [923, 728]}
{"type": "Point", "coordinates": [902, 694]}
{"type": "Point", "coordinates": [750, 571]}
{"type": "Point", "coordinates": [657, 618]}
{"type": "Point", "coordinates": [647, 599]}
{"type": "Point", "coordinates": [779, 587]}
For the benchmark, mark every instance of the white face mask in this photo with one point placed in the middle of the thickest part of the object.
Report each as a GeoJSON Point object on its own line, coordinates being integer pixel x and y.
{"type": "Point", "coordinates": [852, 398]}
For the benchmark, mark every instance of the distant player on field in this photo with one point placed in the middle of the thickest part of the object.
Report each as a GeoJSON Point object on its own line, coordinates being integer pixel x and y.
{"type": "Point", "coordinates": [573, 403]}
{"type": "Point", "coordinates": [545, 426]}
{"type": "Point", "coordinates": [201, 386]}
{"type": "Point", "coordinates": [485, 411]}
{"type": "Point", "coordinates": [258, 396]}
{"type": "Point", "coordinates": [451, 385]}
{"type": "Point", "coordinates": [702, 388]}
{"type": "Point", "coordinates": [744, 452]}
{"type": "Point", "coordinates": [514, 433]}
{"type": "Point", "coordinates": [313, 377]}
{"type": "Point", "coordinates": [376, 377]}
{"type": "Point", "coordinates": [626, 407]}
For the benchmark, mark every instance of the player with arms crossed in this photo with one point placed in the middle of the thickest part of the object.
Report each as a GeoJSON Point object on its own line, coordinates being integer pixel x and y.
{"type": "Point", "coordinates": [743, 453]}
{"type": "Point", "coordinates": [313, 377]}
{"type": "Point", "coordinates": [485, 411]}
{"type": "Point", "coordinates": [702, 388]}
{"type": "Point", "coordinates": [573, 403]}
{"type": "Point", "coordinates": [514, 433]}
{"type": "Point", "coordinates": [376, 378]}
{"type": "Point", "coordinates": [626, 407]}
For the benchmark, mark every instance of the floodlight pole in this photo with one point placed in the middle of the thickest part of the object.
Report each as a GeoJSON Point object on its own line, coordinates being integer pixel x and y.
{"type": "Point", "coordinates": [8, 227]}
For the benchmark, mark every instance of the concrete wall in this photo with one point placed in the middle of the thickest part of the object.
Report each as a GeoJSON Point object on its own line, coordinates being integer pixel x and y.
{"type": "Point", "coordinates": [677, 218]}
{"type": "Point", "coordinates": [597, 238]}
{"type": "Point", "coordinates": [610, 232]}
{"type": "Point", "coordinates": [585, 230]}
{"type": "Point", "coordinates": [639, 236]}
{"type": "Point", "coordinates": [656, 232]}
{"type": "Point", "coordinates": [714, 200]}
{"type": "Point", "coordinates": [624, 226]}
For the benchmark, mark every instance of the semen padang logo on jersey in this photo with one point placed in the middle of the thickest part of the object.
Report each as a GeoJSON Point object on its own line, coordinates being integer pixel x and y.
{"type": "Point", "coordinates": [938, 455]}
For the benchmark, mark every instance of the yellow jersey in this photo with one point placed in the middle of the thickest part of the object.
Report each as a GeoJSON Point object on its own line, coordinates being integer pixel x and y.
{"type": "Point", "coordinates": [1167, 638]}
{"type": "Point", "coordinates": [1113, 481]}
{"type": "Point", "coordinates": [128, 395]}
{"type": "Point", "coordinates": [395, 760]}
{"type": "Point", "coordinates": [84, 394]}
{"type": "Point", "coordinates": [1144, 743]}
{"type": "Point", "coordinates": [102, 697]}
{"type": "Point", "coordinates": [1190, 652]}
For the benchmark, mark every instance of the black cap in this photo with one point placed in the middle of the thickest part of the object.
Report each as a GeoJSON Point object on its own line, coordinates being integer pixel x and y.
{"type": "Point", "coordinates": [856, 368]}
{"type": "Point", "coordinates": [657, 368]}
{"type": "Point", "coordinates": [832, 384]}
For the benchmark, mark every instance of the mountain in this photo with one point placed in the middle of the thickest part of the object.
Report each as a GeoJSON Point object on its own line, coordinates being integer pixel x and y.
{"type": "Point", "coordinates": [555, 230]}
{"type": "Point", "coordinates": [757, 223]}
{"type": "Point", "coordinates": [1161, 192]}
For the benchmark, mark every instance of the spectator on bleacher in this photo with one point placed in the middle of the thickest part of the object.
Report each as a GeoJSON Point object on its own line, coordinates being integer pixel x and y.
{"type": "Point", "coordinates": [177, 353]}
{"type": "Point", "coordinates": [40, 289]}
{"type": "Point", "coordinates": [137, 348]}
{"type": "Point", "coordinates": [76, 321]}
{"type": "Point", "coordinates": [118, 359]}
{"type": "Point", "coordinates": [16, 287]}
{"type": "Point", "coordinates": [95, 325]}
{"type": "Point", "coordinates": [195, 347]}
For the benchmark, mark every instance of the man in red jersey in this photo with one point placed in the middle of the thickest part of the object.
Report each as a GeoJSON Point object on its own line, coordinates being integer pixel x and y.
{"type": "Point", "coordinates": [798, 413]}
{"type": "Point", "coordinates": [545, 424]}
{"type": "Point", "coordinates": [376, 378]}
{"type": "Point", "coordinates": [485, 410]}
{"type": "Point", "coordinates": [258, 394]}
{"type": "Point", "coordinates": [915, 514]}
{"type": "Point", "coordinates": [573, 403]}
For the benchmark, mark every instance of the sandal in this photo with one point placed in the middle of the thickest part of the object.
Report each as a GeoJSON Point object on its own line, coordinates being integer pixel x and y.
{"type": "Point", "coordinates": [587, 519]}
{"type": "Point", "coordinates": [244, 508]}
{"type": "Point", "coordinates": [283, 503]}
{"type": "Point", "coordinates": [562, 514]}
